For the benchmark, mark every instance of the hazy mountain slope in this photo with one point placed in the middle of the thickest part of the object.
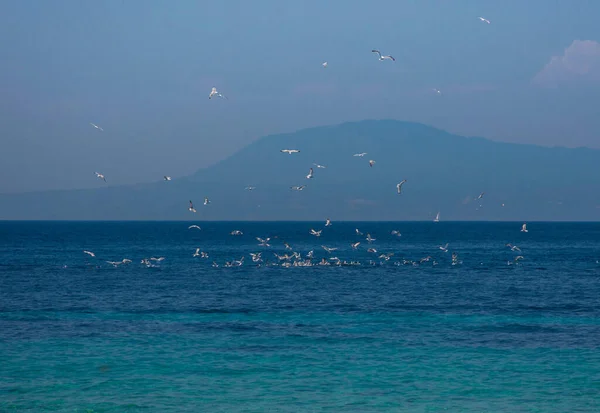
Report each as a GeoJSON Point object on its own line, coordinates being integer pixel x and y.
{"type": "Point", "coordinates": [444, 172]}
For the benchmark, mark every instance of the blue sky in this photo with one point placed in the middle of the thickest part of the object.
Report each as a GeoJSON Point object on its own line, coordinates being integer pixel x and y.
{"type": "Point", "coordinates": [142, 69]}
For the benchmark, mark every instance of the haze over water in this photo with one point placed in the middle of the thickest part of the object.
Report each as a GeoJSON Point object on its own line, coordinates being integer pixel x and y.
{"type": "Point", "coordinates": [80, 335]}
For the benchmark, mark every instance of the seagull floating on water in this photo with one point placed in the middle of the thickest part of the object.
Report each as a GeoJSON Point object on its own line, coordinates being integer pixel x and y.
{"type": "Point", "coordinates": [485, 20]}
{"type": "Point", "coordinates": [399, 186]}
{"type": "Point", "coordinates": [290, 151]}
{"type": "Point", "coordinates": [97, 127]}
{"type": "Point", "coordinates": [100, 176]}
{"type": "Point", "coordinates": [383, 57]}
{"type": "Point", "coordinates": [214, 92]}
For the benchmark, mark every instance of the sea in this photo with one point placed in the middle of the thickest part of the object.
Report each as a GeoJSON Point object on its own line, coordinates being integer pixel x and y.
{"type": "Point", "coordinates": [404, 329]}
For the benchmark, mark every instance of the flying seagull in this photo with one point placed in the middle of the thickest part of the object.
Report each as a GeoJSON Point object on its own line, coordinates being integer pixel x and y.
{"type": "Point", "coordinates": [297, 188]}
{"type": "Point", "coordinates": [327, 222]}
{"type": "Point", "coordinates": [97, 127]}
{"type": "Point", "coordinates": [214, 92]}
{"type": "Point", "coordinates": [289, 151]}
{"type": "Point", "coordinates": [396, 233]}
{"type": "Point", "coordinates": [399, 186]}
{"type": "Point", "coordinates": [90, 253]}
{"type": "Point", "coordinates": [310, 173]}
{"type": "Point", "coordinates": [100, 176]}
{"type": "Point", "coordinates": [383, 57]}
{"type": "Point", "coordinates": [167, 178]}
{"type": "Point", "coordinates": [360, 154]}
{"type": "Point", "coordinates": [484, 20]}
{"type": "Point", "coordinates": [319, 166]}
{"type": "Point", "coordinates": [191, 207]}
{"type": "Point", "coordinates": [206, 201]}
{"type": "Point", "coordinates": [444, 247]}
{"type": "Point", "coordinates": [194, 226]}
{"type": "Point", "coordinates": [371, 163]}
{"type": "Point", "coordinates": [329, 250]}
{"type": "Point", "coordinates": [369, 238]}
{"type": "Point", "coordinates": [315, 233]}
{"type": "Point", "coordinates": [250, 188]}
{"type": "Point", "coordinates": [524, 228]}
{"type": "Point", "coordinates": [480, 196]}
{"type": "Point", "coordinates": [437, 91]}
{"type": "Point", "coordinates": [355, 245]}
{"type": "Point", "coordinates": [324, 64]}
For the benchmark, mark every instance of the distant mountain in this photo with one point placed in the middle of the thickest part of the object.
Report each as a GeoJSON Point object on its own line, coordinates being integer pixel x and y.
{"type": "Point", "coordinates": [444, 172]}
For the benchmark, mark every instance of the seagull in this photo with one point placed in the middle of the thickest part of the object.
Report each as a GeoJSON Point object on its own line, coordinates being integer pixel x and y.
{"type": "Point", "coordinates": [444, 248]}
{"type": "Point", "coordinates": [327, 222]}
{"type": "Point", "coordinates": [358, 232]}
{"type": "Point", "coordinates": [157, 259]}
{"type": "Point", "coordinates": [197, 253]}
{"type": "Point", "coordinates": [315, 233]}
{"type": "Point", "coordinates": [97, 127]}
{"type": "Point", "coordinates": [206, 201]}
{"type": "Point", "coordinates": [289, 151]}
{"type": "Point", "coordinates": [310, 173]}
{"type": "Point", "coordinates": [360, 154]}
{"type": "Point", "coordinates": [437, 91]}
{"type": "Point", "coordinates": [90, 253]}
{"type": "Point", "coordinates": [524, 228]}
{"type": "Point", "coordinates": [250, 188]}
{"type": "Point", "coordinates": [297, 188]}
{"type": "Point", "coordinates": [513, 247]}
{"type": "Point", "coordinates": [191, 207]}
{"type": "Point", "coordinates": [371, 163]}
{"type": "Point", "coordinates": [399, 186]}
{"type": "Point", "coordinates": [214, 92]}
{"type": "Point", "coordinates": [396, 233]}
{"type": "Point", "coordinates": [372, 250]}
{"type": "Point", "coordinates": [263, 242]}
{"type": "Point", "coordinates": [287, 246]}
{"type": "Point", "coordinates": [369, 239]}
{"type": "Point", "coordinates": [236, 232]}
{"type": "Point", "coordinates": [324, 64]}
{"type": "Point", "coordinates": [100, 176]}
{"type": "Point", "coordinates": [480, 196]}
{"type": "Point", "coordinates": [355, 245]}
{"type": "Point", "coordinates": [319, 166]}
{"type": "Point", "coordinates": [256, 257]}
{"type": "Point", "coordinates": [194, 226]}
{"type": "Point", "coordinates": [484, 20]}
{"type": "Point", "coordinates": [383, 57]}
{"type": "Point", "coordinates": [167, 178]}
{"type": "Point", "coordinates": [329, 250]}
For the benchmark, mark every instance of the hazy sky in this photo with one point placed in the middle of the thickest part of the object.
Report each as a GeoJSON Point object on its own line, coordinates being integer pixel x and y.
{"type": "Point", "coordinates": [142, 69]}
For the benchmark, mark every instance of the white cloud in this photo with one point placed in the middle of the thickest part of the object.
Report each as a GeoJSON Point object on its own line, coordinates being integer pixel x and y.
{"type": "Point", "coordinates": [580, 62]}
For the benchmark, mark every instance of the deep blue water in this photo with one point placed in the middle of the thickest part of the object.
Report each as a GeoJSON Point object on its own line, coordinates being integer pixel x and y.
{"type": "Point", "coordinates": [78, 334]}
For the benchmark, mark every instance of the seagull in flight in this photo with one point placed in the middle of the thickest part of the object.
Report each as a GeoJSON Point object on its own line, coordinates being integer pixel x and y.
{"type": "Point", "coordinates": [197, 253]}
{"type": "Point", "coordinates": [167, 178]}
{"type": "Point", "coordinates": [289, 151]}
{"type": "Point", "coordinates": [369, 239]}
{"type": "Point", "coordinates": [444, 247]}
{"type": "Point", "coordinates": [513, 247]}
{"type": "Point", "coordinates": [324, 64]}
{"type": "Point", "coordinates": [315, 233]}
{"type": "Point", "coordinates": [358, 232]}
{"type": "Point", "coordinates": [310, 173]}
{"type": "Point", "coordinates": [250, 188]}
{"type": "Point", "coordinates": [371, 163]}
{"type": "Point", "coordinates": [90, 253]}
{"type": "Point", "coordinates": [194, 226]}
{"type": "Point", "coordinates": [97, 127]}
{"type": "Point", "coordinates": [480, 196]}
{"type": "Point", "coordinates": [329, 250]}
{"type": "Point", "coordinates": [327, 222]}
{"type": "Point", "coordinates": [484, 20]}
{"type": "Point", "coordinates": [214, 92]}
{"type": "Point", "coordinates": [399, 186]}
{"type": "Point", "coordinates": [191, 207]}
{"type": "Point", "coordinates": [100, 176]}
{"type": "Point", "coordinates": [383, 57]}
{"type": "Point", "coordinates": [263, 242]}
{"type": "Point", "coordinates": [206, 201]}
{"type": "Point", "coordinates": [297, 188]}
{"type": "Point", "coordinates": [396, 233]}
{"type": "Point", "coordinates": [360, 154]}
{"type": "Point", "coordinates": [319, 166]}
{"type": "Point", "coordinates": [355, 245]}
{"type": "Point", "coordinates": [236, 232]}
{"type": "Point", "coordinates": [524, 228]}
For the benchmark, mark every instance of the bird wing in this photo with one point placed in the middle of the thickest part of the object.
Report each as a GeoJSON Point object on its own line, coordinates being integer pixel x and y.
{"type": "Point", "coordinates": [376, 51]}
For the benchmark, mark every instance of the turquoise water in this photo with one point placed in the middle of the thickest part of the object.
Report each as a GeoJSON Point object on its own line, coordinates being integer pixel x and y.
{"type": "Point", "coordinates": [80, 335]}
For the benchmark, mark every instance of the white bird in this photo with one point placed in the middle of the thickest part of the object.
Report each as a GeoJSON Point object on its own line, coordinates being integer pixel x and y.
{"type": "Point", "coordinates": [524, 228]}
{"type": "Point", "coordinates": [360, 154]}
{"type": "Point", "coordinates": [256, 257]}
{"type": "Point", "coordinates": [297, 188]}
{"type": "Point", "coordinates": [444, 248]}
{"type": "Point", "coordinates": [97, 127]}
{"type": "Point", "coordinates": [324, 64]}
{"type": "Point", "coordinates": [480, 195]}
{"type": "Point", "coordinates": [315, 233]}
{"type": "Point", "coordinates": [484, 20]}
{"type": "Point", "coordinates": [194, 226]}
{"type": "Point", "coordinates": [396, 233]}
{"type": "Point", "coordinates": [319, 166]}
{"type": "Point", "coordinates": [399, 186]}
{"type": "Point", "coordinates": [371, 163]}
{"type": "Point", "coordinates": [310, 174]}
{"type": "Point", "coordinates": [358, 232]}
{"type": "Point", "coordinates": [290, 151]}
{"type": "Point", "coordinates": [250, 188]}
{"type": "Point", "coordinates": [90, 253]}
{"type": "Point", "coordinates": [287, 246]}
{"type": "Point", "coordinates": [369, 239]}
{"type": "Point", "coordinates": [355, 245]}
{"type": "Point", "coordinates": [372, 250]}
{"type": "Point", "coordinates": [236, 232]}
{"type": "Point", "coordinates": [159, 259]}
{"type": "Point", "coordinates": [263, 242]}
{"type": "Point", "coordinates": [191, 207]}
{"type": "Point", "coordinates": [327, 222]}
{"type": "Point", "coordinates": [100, 176]}
{"type": "Point", "coordinates": [214, 92]}
{"type": "Point", "coordinates": [437, 91]}
{"type": "Point", "coordinates": [383, 57]}
{"type": "Point", "coordinates": [513, 247]}
{"type": "Point", "coordinates": [206, 201]}
{"type": "Point", "coordinates": [437, 218]}
{"type": "Point", "coordinates": [167, 178]}
{"type": "Point", "coordinates": [197, 253]}
{"type": "Point", "coordinates": [329, 250]}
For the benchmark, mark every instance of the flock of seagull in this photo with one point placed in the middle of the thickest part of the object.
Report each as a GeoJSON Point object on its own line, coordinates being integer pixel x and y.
{"type": "Point", "coordinates": [295, 259]}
